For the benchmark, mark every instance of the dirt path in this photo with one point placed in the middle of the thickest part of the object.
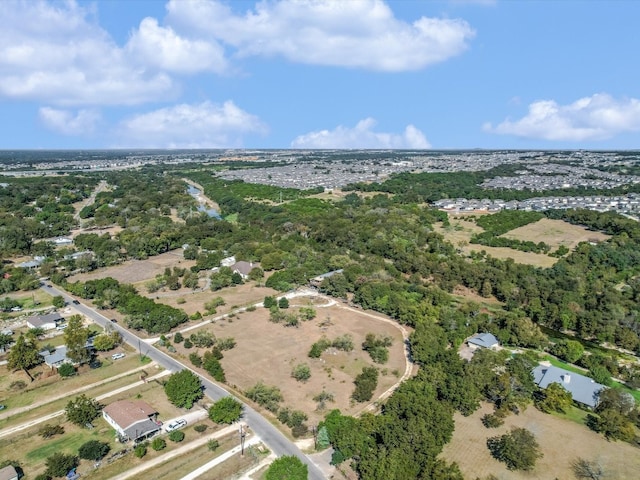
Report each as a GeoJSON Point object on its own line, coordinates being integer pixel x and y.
{"type": "Point", "coordinates": [15, 411]}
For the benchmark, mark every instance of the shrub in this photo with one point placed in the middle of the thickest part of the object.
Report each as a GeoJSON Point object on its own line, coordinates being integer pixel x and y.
{"type": "Point", "coordinates": [17, 385]}
{"type": "Point", "coordinates": [226, 343]}
{"type": "Point", "coordinates": [301, 372]}
{"type": "Point", "coordinates": [59, 464]}
{"type": "Point", "coordinates": [201, 427]}
{"type": "Point", "coordinates": [269, 302]}
{"type": "Point", "coordinates": [66, 370]}
{"type": "Point", "coordinates": [140, 450]}
{"type": "Point", "coordinates": [213, 444]}
{"type": "Point", "coordinates": [178, 337]}
{"type": "Point", "coordinates": [267, 396]}
{"type": "Point", "coordinates": [48, 431]}
{"type": "Point", "coordinates": [195, 359]}
{"type": "Point", "coordinates": [283, 302]}
{"type": "Point", "coordinates": [176, 436]}
{"type": "Point", "coordinates": [343, 342]}
{"type": "Point", "coordinates": [319, 347]}
{"type": "Point", "coordinates": [159, 444]}
{"type": "Point", "coordinates": [491, 420]}
{"type": "Point", "coordinates": [188, 344]}
{"type": "Point", "coordinates": [203, 339]}
{"type": "Point", "coordinates": [93, 450]}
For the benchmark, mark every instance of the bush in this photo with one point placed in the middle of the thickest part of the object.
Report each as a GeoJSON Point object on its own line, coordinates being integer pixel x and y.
{"type": "Point", "coordinates": [301, 372]}
{"type": "Point", "coordinates": [140, 450]}
{"type": "Point", "coordinates": [178, 337]}
{"type": "Point", "coordinates": [176, 436]}
{"type": "Point", "coordinates": [201, 427]}
{"type": "Point", "coordinates": [491, 420]}
{"type": "Point", "coordinates": [66, 370]}
{"type": "Point", "coordinates": [283, 302]}
{"type": "Point", "coordinates": [343, 342]}
{"type": "Point", "coordinates": [203, 339]}
{"type": "Point", "coordinates": [226, 343]}
{"type": "Point", "coordinates": [267, 396]}
{"type": "Point", "coordinates": [93, 450]}
{"type": "Point", "coordinates": [319, 347]}
{"type": "Point", "coordinates": [188, 344]}
{"type": "Point", "coordinates": [213, 444]}
{"type": "Point", "coordinates": [195, 359]}
{"type": "Point", "coordinates": [158, 444]}
{"type": "Point", "coordinates": [269, 302]}
{"type": "Point", "coordinates": [48, 431]}
{"type": "Point", "coordinates": [59, 464]}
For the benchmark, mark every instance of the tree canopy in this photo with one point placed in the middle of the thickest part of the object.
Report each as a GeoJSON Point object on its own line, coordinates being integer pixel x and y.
{"type": "Point", "coordinates": [183, 389]}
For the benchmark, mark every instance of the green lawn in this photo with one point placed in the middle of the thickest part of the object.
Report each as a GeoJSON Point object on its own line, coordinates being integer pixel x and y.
{"type": "Point", "coordinates": [567, 366]}
{"type": "Point", "coordinates": [634, 393]}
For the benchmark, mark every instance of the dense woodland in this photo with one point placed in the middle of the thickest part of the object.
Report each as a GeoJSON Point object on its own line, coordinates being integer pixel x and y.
{"type": "Point", "coordinates": [392, 261]}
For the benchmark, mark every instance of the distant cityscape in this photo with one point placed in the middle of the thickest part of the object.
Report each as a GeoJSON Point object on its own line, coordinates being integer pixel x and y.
{"type": "Point", "coordinates": [332, 169]}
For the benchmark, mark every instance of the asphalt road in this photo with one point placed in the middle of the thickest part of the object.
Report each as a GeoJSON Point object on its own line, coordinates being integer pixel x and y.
{"type": "Point", "coordinates": [270, 435]}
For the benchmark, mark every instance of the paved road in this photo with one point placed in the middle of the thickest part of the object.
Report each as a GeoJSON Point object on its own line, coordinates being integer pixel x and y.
{"type": "Point", "coordinates": [270, 435]}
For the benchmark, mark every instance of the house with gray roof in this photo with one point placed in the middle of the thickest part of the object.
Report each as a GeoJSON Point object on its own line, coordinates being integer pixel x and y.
{"type": "Point", "coordinates": [8, 473]}
{"type": "Point", "coordinates": [132, 419]}
{"type": "Point", "coordinates": [57, 357]}
{"type": "Point", "coordinates": [243, 268]}
{"type": "Point", "coordinates": [483, 340]}
{"type": "Point", "coordinates": [47, 322]}
{"type": "Point", "coordinates": [582, 389]}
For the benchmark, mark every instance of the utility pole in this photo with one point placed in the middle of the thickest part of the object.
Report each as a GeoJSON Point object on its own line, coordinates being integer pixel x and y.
{"type": "Point", "coordinates": [243, 434]}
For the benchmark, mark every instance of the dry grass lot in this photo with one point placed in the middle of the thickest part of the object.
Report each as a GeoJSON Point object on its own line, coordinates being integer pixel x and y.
{"type": "Point", "coordinates": [561, 442]}
{"type": "Point", "coordinates": [133, 271]}
{"type": "Point", "coordinates": [268, 352]}
{"type": "Point", "coordinates": [555, 233]}
{"type": "Point", "coordinates": [552, 232]}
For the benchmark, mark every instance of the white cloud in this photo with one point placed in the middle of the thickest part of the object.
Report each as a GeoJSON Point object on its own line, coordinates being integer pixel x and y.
{"type": "Point", "coordinates": [204, 125]}
{"type": "Point", "coordinates": [66, 122]}
{"type": "Point", "coordinates": [362, 136]}
{"type": "Point", "coordinates": [598, 117]}
{"type": "Point", "coordinates": [355, 33]}
{"type": "Point", "coordinates": [164, 49]}
{"type": "Point", "coordinates": [56, 53]}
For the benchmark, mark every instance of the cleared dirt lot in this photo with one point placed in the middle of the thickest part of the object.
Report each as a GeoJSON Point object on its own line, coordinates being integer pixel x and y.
{"type": "Point", "coordinates": [267, 352]}
{"type": "Point", "coordinates": [561, 442]}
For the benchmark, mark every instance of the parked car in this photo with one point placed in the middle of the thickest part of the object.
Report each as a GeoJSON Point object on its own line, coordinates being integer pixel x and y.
{"type": "Point", "coordinates": [2, 407]}
{"type": "Point", "coordinates": [76, 302]}
{"type": "Point", "coordinates": [114, 320]}
{"type": "Point", "coordinates": [176, 424]}
{"type": "Point", "coordinates": [117, 356]}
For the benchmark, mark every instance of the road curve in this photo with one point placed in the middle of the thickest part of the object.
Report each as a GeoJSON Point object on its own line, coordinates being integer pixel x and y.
{"type": "Point", "coordinates": [270, 435]}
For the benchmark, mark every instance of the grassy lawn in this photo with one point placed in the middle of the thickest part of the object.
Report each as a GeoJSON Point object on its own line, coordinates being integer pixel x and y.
{"type": "Point", "coordinates": [567, 366]}
{"type": "Point", "coordinates": [574, 414]}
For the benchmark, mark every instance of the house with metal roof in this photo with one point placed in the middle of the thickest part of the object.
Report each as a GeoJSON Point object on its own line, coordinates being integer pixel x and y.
{"type": "Point", "coordinates": [132, 419]}
{"type": "Point", "coordinates": [8, 473]}
{"type": "Point", "coordinates": [483, 340]}
{"type": "Point", "coordinates": [47, 322]}
{"type": "Point", "coordinates": [583, 389]}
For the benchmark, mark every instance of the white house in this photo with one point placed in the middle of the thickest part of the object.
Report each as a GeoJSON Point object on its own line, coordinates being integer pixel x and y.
{"type": "Point", "coordinates": [47, 322]}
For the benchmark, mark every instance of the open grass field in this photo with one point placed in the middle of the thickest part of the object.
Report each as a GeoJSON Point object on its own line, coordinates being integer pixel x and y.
{"type": "Point", "coordinates": [555, 233]}
{"type": "Point", "coordinates": [268, 352]}
{"type": "Point", "coordinates": [561, 441]}
{"type": "Point", "coordinates": [552, 232]}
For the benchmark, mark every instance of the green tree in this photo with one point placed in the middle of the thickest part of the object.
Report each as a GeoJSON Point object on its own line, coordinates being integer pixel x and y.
{"type": "Point", "coordinates": [183, 389]}
{"type": "Point", "coordinates": [106, 341]}
{"type": "Point", "coordinates": [288, 467]}
{"type": "Point", "coordinates": [140, 450]}
{"type": "Point", "coordinates": [226, 410]}
{"type": "Point", "coordinates": [82, 410]}
{"type": "Point", "coordinates": [269, 302]}
{"type": "Point", "coordinates": [366, 382]}
{"type": "Point", "coordinates": [58, 301]}
{"type": "Point", "coordinates": [554, 399]}
{"type": "Point", "coordinates": [265, 395]}
{"type": "Point", "coordinates": [59, 464]}
{"type": "Point", "coordinates": [213, 366]}
{"type": "Point", "coordinates": [23, 355]}
{"type": "Point", "coordinates": [283, 302]}
{"type": "Point", "coordinates": [518, 449]}
{"type": "Point", "coordinates": [75, 338]}
{"type": "Point", "coordinates": [93, 450]}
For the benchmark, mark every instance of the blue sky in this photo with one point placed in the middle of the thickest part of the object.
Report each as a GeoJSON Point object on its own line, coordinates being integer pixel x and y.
{"type": "Point", "coordinates": [320, 74]}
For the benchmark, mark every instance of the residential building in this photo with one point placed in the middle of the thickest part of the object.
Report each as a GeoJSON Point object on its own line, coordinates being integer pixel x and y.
{"type": "Point", "coordinates": [8, 473]}
{"type": "Point", "coordinates": [582, 389]}
{"type": "Point", "coordinates": [132, 419]}
{"type": "Point", "coordinates": [483, 340]}
{"type": "Point", "coordinates": [47, 322]}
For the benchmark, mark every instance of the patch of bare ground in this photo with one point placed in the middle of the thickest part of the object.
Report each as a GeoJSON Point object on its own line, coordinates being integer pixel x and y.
{"type": "Point", "coordinates": [555, 233]}
{"type": "Point", "coordinates": [470, 295]}
{"type": "Point", "coordinates": [133, 271]}
{"type": "Point", "coordinates": [268, 352]}
{"type": "Point", "coordinates": [561, 441]}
